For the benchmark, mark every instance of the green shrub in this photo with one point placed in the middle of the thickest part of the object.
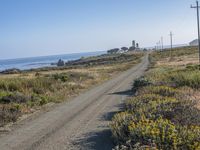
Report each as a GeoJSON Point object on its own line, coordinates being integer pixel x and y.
{"type": "Point", "coordinates": [3, 94]}
{"type": "Point", "coordinates": [190, 76]}
{"type": "Point", "coordinates": [155, 134]}
{"type": "Point", "coordinates": [39, 85]}
{"type": "Point", "coordinates": [186, 78]}
{"type": "Point", "coordinates": [146, 100]}
{"type": "Point", "coordinates": [14, 98]}
{"type": "Point", "coordinates": [62, 77]}
{"type": "Point", "coordinates": [9, 113]}
{"type": "Point", "coordinates": [43, 100]}
{"type": "Point", "coordinates": [38, 100]}
{"type": "Point", "coordinates": [163, 114]}
{"type": "Point", "coordinates": [119, 126]}
{"type": "Point", "coordinates": [10, 84]}
{"type": "Point", "coordinates": [141, 82]}
{"type": "Point", "coordinates": [179, 111]}
{"type": "Point", "coordinates": [152, 106]}
{"type": "Point", "coordinates": [159, 75]}
{"type": "Point", "coordinates": [71, 76]}
{"type": "Point", "coordinates": [184, 113]}
{"type": "Point", "coordinates": [192, 67]}
{"type": "Point", "coordinates": [160, 90]}
{"type": "Point", "coordinates": [190, 137]}
{"type": "Point", "coordinates": [161, 132]}
{"type": "Point", "coordinates": [159, 117]}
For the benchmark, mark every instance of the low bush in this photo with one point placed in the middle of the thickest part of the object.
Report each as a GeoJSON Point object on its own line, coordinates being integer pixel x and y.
{"type": "Point", "coordinates": [9, 113]}
{"type": "Point", "coordinates": [186, 78]}
{"type": "Point", "coordinates": [43, 100]}
{"type": "Point", "coordinates": [119, 126]}
{"type": "Point", "coordinates": [130, 130]}
{"type": "Point", "coordinates": [192, 67]}
{"type": "Point", "coordinates": [189, 76]}
{"type": "Point", "coordinates": [71, 76]}
{"type": "Point", "coordinates": [160, 90]}
{"type": "Point", "coordinates": [152, 106]}
{"type": "Point", "coordinates": [140, 82]}
{"type": "Point", "coordinates": [190, 137]}
{"type": "Point", "coordinates": [14, 98]}
{"type": "Point", "coordinates": [164, 114]}
{"type": "Point", "coordinates": [3, 94]}
{"type": "Point", "coordinates": [154, 134]}
{"type": "Point", "coordinates": [64, 77]}
{"type": "Point", "coordinates": [161, 132]}
{"type": "Point", "coordinates": [161, 116]}
{"type": "Point", "coordinates": [10, 84]}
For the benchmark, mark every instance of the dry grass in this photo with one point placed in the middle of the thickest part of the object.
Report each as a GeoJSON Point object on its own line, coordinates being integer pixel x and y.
{"type": "Point", "coordinates": [178, 61]}
{"type": "Point", "coordinates": [165, 111]}
{"type": "Point", "coordinates": [28, 91]}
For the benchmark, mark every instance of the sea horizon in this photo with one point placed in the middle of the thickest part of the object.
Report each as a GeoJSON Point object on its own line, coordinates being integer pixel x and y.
{"type": "Point", "coordinates": [26, 63]}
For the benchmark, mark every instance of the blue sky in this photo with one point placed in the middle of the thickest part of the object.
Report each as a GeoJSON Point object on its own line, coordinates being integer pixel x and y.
{"type": "Point", "coordinates": [48, 27]}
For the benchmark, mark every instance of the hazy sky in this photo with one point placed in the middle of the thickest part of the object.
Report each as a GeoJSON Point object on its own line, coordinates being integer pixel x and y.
{"type": "Point", "coordinates": [46, 27]}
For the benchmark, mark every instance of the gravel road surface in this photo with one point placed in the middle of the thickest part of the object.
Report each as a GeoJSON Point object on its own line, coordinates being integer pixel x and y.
{"type": "Point", "coordinates": [80, 124]}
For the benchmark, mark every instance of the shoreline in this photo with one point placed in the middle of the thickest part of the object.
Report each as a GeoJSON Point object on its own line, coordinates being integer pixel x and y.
{"type": "Point", "coordinates": [102, 59]}
{"type": "Point", "coordinates": [29, 91]}
{"type": "Point", "coordinates": [42, 61]}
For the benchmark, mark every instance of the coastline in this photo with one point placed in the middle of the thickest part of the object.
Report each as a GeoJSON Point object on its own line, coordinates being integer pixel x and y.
{"type": "Point", "coordinates": [28, 91]}
{"type": "Point", "coordinates": [42, 61]}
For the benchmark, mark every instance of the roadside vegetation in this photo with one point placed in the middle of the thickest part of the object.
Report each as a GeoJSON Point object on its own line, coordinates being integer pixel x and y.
{"type": "Point", "coordinates": [165, 111]}
{"type": "Point", "coordinates": [29, 91]}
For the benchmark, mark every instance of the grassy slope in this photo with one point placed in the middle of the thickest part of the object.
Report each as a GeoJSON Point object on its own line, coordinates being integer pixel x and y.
{"type": "Point", "coordinates": [165, 113]}
{"type": "Point", "coordinates": [28, 91]}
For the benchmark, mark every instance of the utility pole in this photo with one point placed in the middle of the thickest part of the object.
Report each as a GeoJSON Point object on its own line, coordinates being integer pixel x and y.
{"type": "Point", "coordinates": [156, 46]}
{"type": "Point", "coordinates": [171, 41]}
{"type": "Point", "coordinates": [197, 8]}
{"type": "Point", "coordinates": [160, 47]}
{"type": "Point", "coordinates": [162, 43]}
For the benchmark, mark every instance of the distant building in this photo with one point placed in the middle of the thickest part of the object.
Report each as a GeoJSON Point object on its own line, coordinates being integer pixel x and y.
{"type": "Point", "coordinates": [113, 51]}
{"type": "Point", "coordinates": [137, 45]}
{"type": "Point", "coordinates": [133, 47]}
{"type": "Point", "coordinates": [194, 43]}
{"type": "Point", "coordinates": [123, 50]}
{"type": "Point", "coordinates": [133, 43]}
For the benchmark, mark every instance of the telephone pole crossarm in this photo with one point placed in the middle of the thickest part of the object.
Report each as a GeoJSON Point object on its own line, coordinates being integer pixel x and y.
{"type": "Point", "coordinates": [194, 6]}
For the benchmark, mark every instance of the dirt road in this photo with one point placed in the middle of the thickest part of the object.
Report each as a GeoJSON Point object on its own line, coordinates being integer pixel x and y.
{"type": "Point", "coordinates": [82, 123]}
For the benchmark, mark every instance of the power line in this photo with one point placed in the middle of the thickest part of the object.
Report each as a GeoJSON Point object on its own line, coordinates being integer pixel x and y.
{"type": "Point", "coordinates": [197, 8]}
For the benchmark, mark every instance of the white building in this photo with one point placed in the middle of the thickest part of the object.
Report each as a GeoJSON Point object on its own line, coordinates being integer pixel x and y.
{"type": "Point", "coordinates": [194, 43]}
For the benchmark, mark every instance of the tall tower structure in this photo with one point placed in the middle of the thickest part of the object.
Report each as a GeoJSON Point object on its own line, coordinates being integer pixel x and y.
{"type": "Point", "coordinates": [137, 45]}
{"type": "Point", "coordinates": [133, 43]}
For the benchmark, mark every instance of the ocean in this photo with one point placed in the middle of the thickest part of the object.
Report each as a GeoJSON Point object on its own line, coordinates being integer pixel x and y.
{"type": "Point", "coordinates": [42, 61]}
